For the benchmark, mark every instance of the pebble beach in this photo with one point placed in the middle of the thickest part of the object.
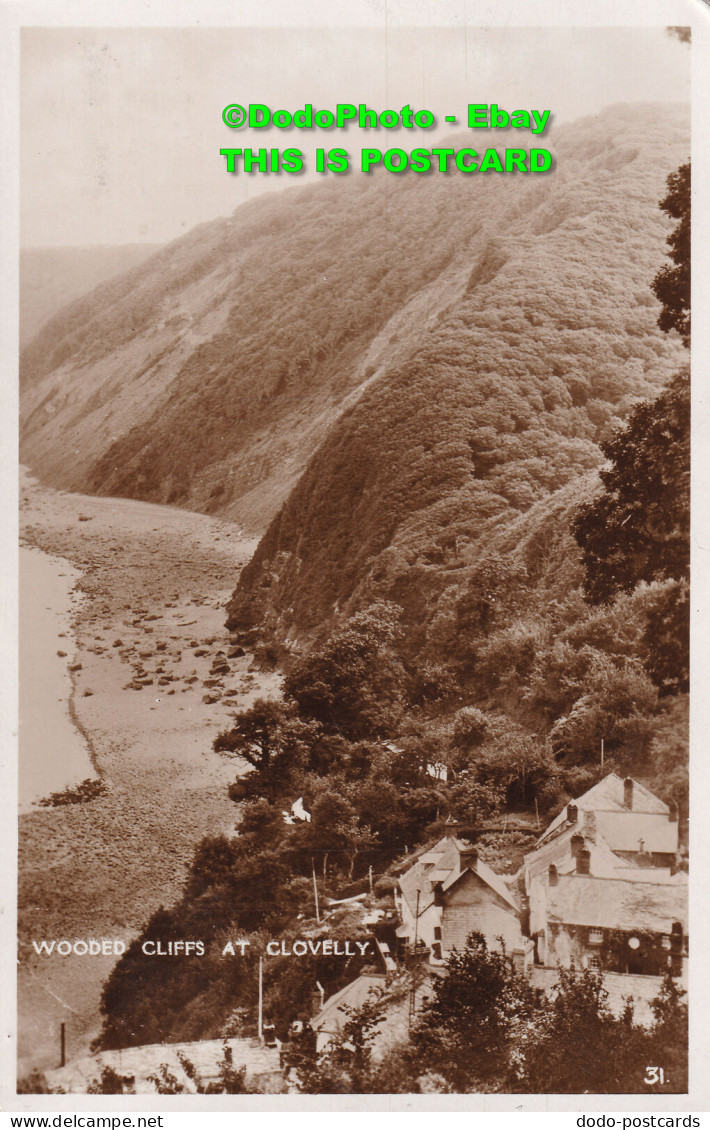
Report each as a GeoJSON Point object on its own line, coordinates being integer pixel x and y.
{"type": "Point", "coordinates": [150, 676]}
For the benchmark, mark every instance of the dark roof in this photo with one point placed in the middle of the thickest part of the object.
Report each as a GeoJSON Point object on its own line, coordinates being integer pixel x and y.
{"type": "Point", "coordinates": [618, 904]}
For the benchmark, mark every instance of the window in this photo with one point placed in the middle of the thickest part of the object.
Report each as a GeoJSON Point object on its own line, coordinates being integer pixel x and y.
{"type": "Point", "coordinates": [437, 933]}
{"type": "Point", "coordinates": [596, 937]}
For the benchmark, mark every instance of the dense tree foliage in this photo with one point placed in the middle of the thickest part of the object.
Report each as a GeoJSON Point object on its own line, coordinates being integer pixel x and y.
{"type": "Point", "coordinates": [354, 684]}
{"type": "Point", "coordinates": [466, 1030]}
{"type": "Point", "coordinates": [672, 284]}
{"type": "Point", "coordinates": [639, 528]}
{"type": "Point", "coordinates": [486, 1029]}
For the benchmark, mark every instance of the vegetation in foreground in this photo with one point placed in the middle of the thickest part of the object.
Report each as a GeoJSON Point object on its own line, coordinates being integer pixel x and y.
{"type": "Point", "coordinates": [88, 790]}
{"type": "Point", "coordinates": [485, 1028]}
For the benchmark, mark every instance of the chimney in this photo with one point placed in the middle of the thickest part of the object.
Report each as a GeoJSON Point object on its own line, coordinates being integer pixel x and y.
{"type": "Point", "coordinates": [583, 862]}
{"type": "Point", "coordinates": [590, 827]}
{"type": "Point", "coordinates": [628, 793]}
{"type": "Point", "coordinates": [673, 812]}
{"type": "Point", "coordinates": [577, 844]}
{"type": "Point", "coordinates": [468, 858]}
{"type": "Point", "coordinates": [451, 824]}
{"type": "Point", "coordinates": [571, 813]}
{"type": "Point", "coordinates": [552, 875]}
{"type": "Point", "coordinates": [525, 921]}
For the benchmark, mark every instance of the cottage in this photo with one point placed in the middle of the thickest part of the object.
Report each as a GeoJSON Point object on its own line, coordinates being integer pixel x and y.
{"type": "Point", "coordinates": [628, 817]}
{"type": "Point", "coordinates": [619, 925]}
{"type": "Point", "coordinates": [399, 997]}
{"type": "Point", "coordinates": [602, 886]}
{"type": "Point", "coordinates": [448, 893]}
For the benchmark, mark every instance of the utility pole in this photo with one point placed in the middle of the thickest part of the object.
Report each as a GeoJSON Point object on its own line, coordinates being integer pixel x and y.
{"type": "Point", "coordinates": [261, 999]}
{"type": "Point", "coordinates": [602, 758]}
{"type": "Point", "coordinates": [63, 1044]}
{"type": "Point", "coordinates": [370, 876]}
{"type": "Point", "coordinates": [415, 968]}
{"type": "Point", "coordinates": [315, 891]}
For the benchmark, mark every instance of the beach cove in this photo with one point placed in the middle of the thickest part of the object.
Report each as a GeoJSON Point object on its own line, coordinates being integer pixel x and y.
{"type": "Point", "coordinates": [141, 606]}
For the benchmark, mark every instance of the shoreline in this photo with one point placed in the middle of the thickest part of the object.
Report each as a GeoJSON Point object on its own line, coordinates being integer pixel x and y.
{"type": "Point", "coordinates": [79, 726]}
{"type": "Point", "coordinates": [55, 752]}
{"type": "Point", "coordinates": [149, 633]}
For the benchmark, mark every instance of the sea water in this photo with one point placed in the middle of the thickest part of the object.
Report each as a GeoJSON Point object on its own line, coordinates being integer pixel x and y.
{"type": "Point", "coordinates": [53, 754]}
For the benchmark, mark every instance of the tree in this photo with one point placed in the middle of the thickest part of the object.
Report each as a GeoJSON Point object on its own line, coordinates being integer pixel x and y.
{"type": "Point", "coordinates": [639, 528]}
{"type": "Point", "coordinates": [270, 737]}
{"type": "Point", "coordinates": [470, 728]}
{"type": "Point", "coordinates": [472, 803]}
{"type": "Point", "coordinates": [344, 1067]}
{"type": "Point", "coordinates": [334, 830]}
{"type": "Point", "coordinates": [666, 638]}
{"type": "Point", "coordinates": [253, 735]}
{"type": "Point", "coordinates": [519, 767]}
{"type": "Point", "coordinates": [672, 284]}
{"type": "Point", "coordinates": [617, 704]}
{"type": "Point", "coordinates": [580, 1047]}
{"type": "Point", "coordinates": [669, 1036]}
{"type": "Point", "coordinates": [493, 586]}
{"type": "Point", "coordinates": [353, 683]}
{"type": "Point", "coordinates": [467, 1032]}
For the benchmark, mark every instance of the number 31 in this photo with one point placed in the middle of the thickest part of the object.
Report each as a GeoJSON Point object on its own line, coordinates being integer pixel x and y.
{"type": "Point", "coordinates": [654, 1075]}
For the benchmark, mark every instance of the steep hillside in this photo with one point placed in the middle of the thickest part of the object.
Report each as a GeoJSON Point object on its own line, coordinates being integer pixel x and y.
{"type": "Point", "coordinates": [549, 339]}
{"type": "Point", "coordinates": [479, 332]}
{"type": "Point", "coordinates": [52, 276]}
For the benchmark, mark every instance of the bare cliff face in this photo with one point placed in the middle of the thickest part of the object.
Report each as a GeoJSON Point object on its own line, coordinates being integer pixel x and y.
{"type": "Point", "coordinates": [508, 316]}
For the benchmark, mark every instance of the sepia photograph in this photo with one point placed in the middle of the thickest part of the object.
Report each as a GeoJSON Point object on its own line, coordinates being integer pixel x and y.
{"type": "Point", "coordinates": [354, 556]}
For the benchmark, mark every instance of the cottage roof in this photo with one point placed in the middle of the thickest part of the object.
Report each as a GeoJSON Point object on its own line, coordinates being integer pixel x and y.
{"type": "Point", "coordinates": [618, 904]}
{"type": "Point", "coordinates": [637, 874]}
{"type": "Point", "coordinates": [608, 796]}
{"type": "Point", "coordinates": [487, 875]}
{"type": "Point", "coordinates": [442, 864]}
{"type": "Point", "coordinates": [352, 995]}
{"type": "Point", "coordinates": [432, 867]}
{"type": "Point", "coordinates": [639, 831]}
{"type": "Point", "coordinates": [558, 850]}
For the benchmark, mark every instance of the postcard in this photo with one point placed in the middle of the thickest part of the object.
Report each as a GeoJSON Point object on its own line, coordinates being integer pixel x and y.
{"type": "Point", "coordinates": [353, 601]}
